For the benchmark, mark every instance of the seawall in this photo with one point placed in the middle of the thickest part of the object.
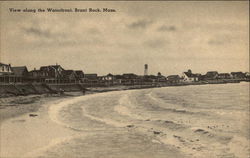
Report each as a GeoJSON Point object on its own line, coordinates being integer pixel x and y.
{"type": "Point", "coordinates": [37, 88]}
{"type": "Point", "coordinates": [42, 88]}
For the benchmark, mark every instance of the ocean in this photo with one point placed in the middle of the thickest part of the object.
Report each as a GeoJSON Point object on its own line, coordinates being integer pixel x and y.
{"type": "Point", "coordinates": [198, 121]}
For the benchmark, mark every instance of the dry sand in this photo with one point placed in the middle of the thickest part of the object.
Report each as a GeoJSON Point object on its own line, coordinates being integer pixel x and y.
{"type": "Point", "coordinates": [27, 127]}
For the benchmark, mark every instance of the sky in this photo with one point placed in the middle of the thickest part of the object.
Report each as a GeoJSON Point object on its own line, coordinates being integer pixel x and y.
{"type": "Point", "coordinates": [171, 37]}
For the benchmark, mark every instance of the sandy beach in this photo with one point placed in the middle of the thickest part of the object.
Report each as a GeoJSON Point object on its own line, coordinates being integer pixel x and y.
{"type": "Point", "coordinates": [25, 125]}
{"type": "Point", "coordinates": [148, 123]}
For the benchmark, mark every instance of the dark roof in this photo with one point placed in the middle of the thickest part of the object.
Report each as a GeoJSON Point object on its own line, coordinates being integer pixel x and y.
{"type": "Point", "coordinates": [90, 76]}
{"type": "Point", "coordinates": [19, 71]}
{"type": "Point", "coordinates": [129, 75]}
{"type": "Point", "coordinates": [79, 73]}
{"type": "Point", "coordinates": [221, 74]}
{"type": "Point", "coordinates": [34, 71]}
{"type": "Point", "coordinates": [118, 76]}
{"type": "Point", "coordinates": [110, 74]}
{"type": "Point", "coordinates": [237, 73]}
{"type": "Point", "coordinates": [173, 77]}
{"type": "Point", "coordinates": [188, 74]}
{"type": "Point", "coordinates": [151, 77]}
{"type": "Point", "coordinates": [212, 72]}
{"type": "Point", "coordinates": [2, 64]}
{"type": "Point", "coordinates": [67, 72]}
{"type": "Point", "coordinates": [50, 66]}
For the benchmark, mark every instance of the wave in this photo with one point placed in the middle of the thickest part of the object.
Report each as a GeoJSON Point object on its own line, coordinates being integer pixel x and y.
{"type": "Point", "coordinates": [54, 110]}
{"type": "Point", "coordinates": [172, 107]}
{"type": "Point", "coordinates": [103, 120]}
{"type": "Point", "coordinates": [125, 108]}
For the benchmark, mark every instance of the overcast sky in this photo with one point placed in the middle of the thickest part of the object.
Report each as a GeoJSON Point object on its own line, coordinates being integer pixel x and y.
{"type": "Point", "coordinates": [170, 37]}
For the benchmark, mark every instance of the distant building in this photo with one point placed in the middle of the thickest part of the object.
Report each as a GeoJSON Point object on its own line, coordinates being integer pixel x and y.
{"type": "Point", "coordinates": [48, 74]}
{"type": "Point", "coordinates": [211, 75]}
{"type": "Point", "coordinates": [129, 76]}
{"type": "Point", "coordinates": [79, 74]}
{"type": "Point", "coordinates": [130, 79]}
{"type": "Point", "coordinates": [108, 77]}
{"type": "Point", "coordinates": [69, 76]}
{"type": "Point", "coordinates": [5, 69]}
{"type": "Point", "coordinates": [52, 71]}
{"type": "Point", "coordinates": [150, 78]}
{"type": "Point", "coordinates": [118, 79]}
{"type": "Point", "coordinates": [161, 78]}
{"type": "Point", "coordinates": [238, 75]}
{"type": "Point", "coordinates": [224, 76]}
{"type": "Point", "coordinates": [247, 74]}
{"type": "Point", "coordinates": [37, 75]}
{"type": "Point", "coordinates": [190, 77]}
{"type": "Point", "coordinates": [173, 79]}
{"type": "Point", "coordinates": [21, 73]}
{"type": "Point", "coordinates": [91, 78]}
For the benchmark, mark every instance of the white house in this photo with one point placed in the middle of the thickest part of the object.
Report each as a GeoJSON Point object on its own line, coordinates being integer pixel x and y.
{"type": "Point", "coordinates": [5, 69]}
{"type": "Point", "coordinates": [189, 76]}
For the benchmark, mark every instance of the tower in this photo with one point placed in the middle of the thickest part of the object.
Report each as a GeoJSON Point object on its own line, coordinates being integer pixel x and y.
{"type": "Point", "coordinates": [145, 69]}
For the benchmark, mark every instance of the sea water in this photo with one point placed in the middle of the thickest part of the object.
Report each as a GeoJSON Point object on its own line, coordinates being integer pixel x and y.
{"type": "Point", "coordinates": [203, 121]}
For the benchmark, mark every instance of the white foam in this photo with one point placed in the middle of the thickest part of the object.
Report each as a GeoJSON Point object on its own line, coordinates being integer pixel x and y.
{"type": "Point", "coordinates": [104, 120]}
{"type": "Point", "coordinates": [123, 108]}
{"type": "Point", "coordinates": [54, 110]}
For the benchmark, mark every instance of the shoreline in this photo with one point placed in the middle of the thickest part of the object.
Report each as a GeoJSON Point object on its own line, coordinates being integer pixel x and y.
{"type": "Point", "coordinates": [14, 106]}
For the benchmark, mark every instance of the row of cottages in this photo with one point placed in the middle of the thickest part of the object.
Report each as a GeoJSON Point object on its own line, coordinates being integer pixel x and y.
{"type": "Point", "coordinates": [213, 75]}
{"type": "Point", "coordinates": [124, 79]}
{"type": "Point", "coordinates": [46, 74]}
{"type": "Point", "coordinates": [56, 74]}
{"type": "Point", "coordinates": [9, 74]}
{"type": "Point", "coordinates": [131, 79]}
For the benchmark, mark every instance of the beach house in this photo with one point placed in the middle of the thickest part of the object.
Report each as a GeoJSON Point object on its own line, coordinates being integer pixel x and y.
{"type": "Point", "coordinates": [211, 75]}
{"type": "Point", "coordinates": [91, 79]}
{"type": "Point", "coordinates": [238, 75]}
{"type": "Point", "coordinates": [69, 76]}
{"type": "Point", "coordinates": [21, 73]}
{"type": "Point", "coordinates": [173, 79]}
{"type": "Point", "coordinates": [5, 69]}
{"type": "Point", "coordinates": [190, 77]}
{"type": "Point", "coordinates": [224, 76]}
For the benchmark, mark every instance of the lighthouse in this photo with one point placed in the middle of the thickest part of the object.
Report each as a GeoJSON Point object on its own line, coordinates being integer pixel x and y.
{"type": "Point", "coordinates": [145, 69]}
